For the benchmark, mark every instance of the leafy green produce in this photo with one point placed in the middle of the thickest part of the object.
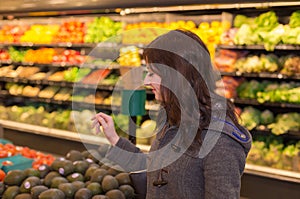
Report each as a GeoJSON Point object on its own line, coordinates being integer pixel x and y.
{"type": "Point", "coordinates": [270, 62]}
{"type": "Point", "coordinates": [102, 28]}
{"type": "Point", "coordinates": [272, 37]}
{"type": "Point", "coordinates": [70, 74]}
{"type": "Point", "coordinates": [295, 19]}
{"type": "Point", "coordinates": [266, 21]}
{"type": "Point", "coordinates": [257, 153]}
{"type": "Point", "coordinates": [76, 74]}
{"type": "Point", "coordinates": [291, 150]}
{"type": "Point", "coordinates": [273, 152]}
{"type": "Point", "coordinates": [250, 117]}
{"type": "Point", "coordinates": [257, 64]}
{"type": "Point", "coordinates": [266, 117]}
{"type": "Point", "coordinates": [285, 92]}
{"type": "Point", "coordinates": [273, 155]}
{"type": "Point", "coordinates": [293, 95]}
{"type": "Point", "coordinates": [246, 36]}
{"type": "Point", "coordinates": [249, 64]}
{"type": "Point", "coordinates": [290, 35]}
{"type": "Point", "coordinates": [264, 30]}
{"type": "Point", "coordinates": [285, 122]}
{"type": "Point", "coordinates": [250, 89]}
{"type": "Point", "coordinates": [289, 155]}
{"type": "Point", "coordinates": [16, 55]}
{"type": "Point", "coordinates": [112, 79]}
{"type": "Point", "coordinates": [239, 20]}
{"type": "Point", "coordinates": [81, 73]}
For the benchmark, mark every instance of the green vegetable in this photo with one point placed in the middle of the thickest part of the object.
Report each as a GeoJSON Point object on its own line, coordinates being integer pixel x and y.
{"type": "Point", "coordinates": [272, 37]}
{"type": "Point", "coordinates": [70, 74]}
{"type": "Point", "coordinates": [266, 21]}
{"type": "Point", "coordinates": [246, 36]}
{"type": "Point", "coordinates": [257, 153]}
{"type": "Point", "coordinates": [250, 89]}
{"type": "Point", "coordinates": [273, 155]}
{"type": "Point", "coordinates": [102, 28]}
{"type": "Point", "coordinates": [285, 122]}
{"type": "Point", "coordinates": [250, 117]}
{"type": "Point", "coordinates": [270, 62]}
{"type": "Point", "coordinates": [239, 20]}
{"type": "Point", "coordinates": [264, 30]}
{"type": "Point", "coordinates": [266, 117]}
{"type": "Point", "coordinates": [295, 19]}
{"type": "Point", "coordinates": [291, 35]}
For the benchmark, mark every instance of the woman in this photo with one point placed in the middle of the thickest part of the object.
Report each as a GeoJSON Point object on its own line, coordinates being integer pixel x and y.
{"type": "Point", "coordinates": [200, 149]}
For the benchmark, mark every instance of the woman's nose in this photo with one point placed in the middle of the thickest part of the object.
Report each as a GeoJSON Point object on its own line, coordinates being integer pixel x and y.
{"type": "Point", "coordinates": [146, 81]}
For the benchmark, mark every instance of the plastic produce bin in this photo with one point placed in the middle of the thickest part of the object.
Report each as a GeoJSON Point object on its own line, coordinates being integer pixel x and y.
{"type": "Point", "coordinates": [16, 162]}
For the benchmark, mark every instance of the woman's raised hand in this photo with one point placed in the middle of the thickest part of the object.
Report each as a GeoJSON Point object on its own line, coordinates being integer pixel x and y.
{"type": "Point", "coordinates": [107, 123]}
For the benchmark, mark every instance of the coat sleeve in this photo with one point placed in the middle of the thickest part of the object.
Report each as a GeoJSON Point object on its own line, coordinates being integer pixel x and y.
{"type": "Point", "coordinates": [131, 158]}
{"type": "Point", "coordinates": [223, 168]}
{"type": "Point", "coordinates": [127, 155]}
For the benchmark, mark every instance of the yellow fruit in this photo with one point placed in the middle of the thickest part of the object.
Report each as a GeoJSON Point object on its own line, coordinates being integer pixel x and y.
{"type": "Point", "coordinates": [204, 25]}
{"type": "Point", "coordinates": [215, 24]}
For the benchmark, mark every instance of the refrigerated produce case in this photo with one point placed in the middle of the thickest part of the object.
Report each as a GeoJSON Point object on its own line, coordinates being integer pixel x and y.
{"type": "Point", "coordinates": [276, 182]}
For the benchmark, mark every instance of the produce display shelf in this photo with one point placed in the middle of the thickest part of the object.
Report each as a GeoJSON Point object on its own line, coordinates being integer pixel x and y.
{"type": "Point", "coordinates": [61, 134]}
{"type": "Point", "coordinates": [98, 140]}
{"type": "Point", "coordinates": [62, 65]}
{"type": "Point", "coordinates": [57, 65]}
{"type": "Point", "coordinates": [269, 172]}
{"type": "Point", "coordinates": [254, 102]}
{"type": "Point", "coordinates": [263, 130]}
{"type": "Point", "coordinates": [103, 44]}
{"type": "Point", "coordinates": [58, 83]}
{"type": "Point", "coordinates": [75, 85]}
{"type": "Point", "coordinates": [261, 75]}
{"type": "Point", "coordinates": [258, 47]}
{"type": "Point", "coordinates": [70, 103]}
{"type": "Point", "coordinates": [62, 45]}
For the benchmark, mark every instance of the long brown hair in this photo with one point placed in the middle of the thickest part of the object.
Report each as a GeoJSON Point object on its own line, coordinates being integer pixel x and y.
{"type": "Point", "coordinates": [184, 52]}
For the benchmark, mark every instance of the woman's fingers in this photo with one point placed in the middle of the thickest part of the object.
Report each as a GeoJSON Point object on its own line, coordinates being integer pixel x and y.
{"type": "Point", "coordinates": [93, 118]}
{"type": "Point", "coordinates": [106, 117]}
{"type": "Point", "coordinates": [94, 123]}
{"type": "Point", "coordinates": [102, 121]}
{"type": "Point", "coordinates": [106, 122]}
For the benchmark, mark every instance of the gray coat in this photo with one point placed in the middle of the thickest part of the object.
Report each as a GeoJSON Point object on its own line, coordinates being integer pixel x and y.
{"type": "Point", "coordinates": [214, 172]}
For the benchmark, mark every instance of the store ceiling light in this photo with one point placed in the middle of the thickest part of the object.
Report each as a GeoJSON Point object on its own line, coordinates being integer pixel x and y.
{"type": "Point", "coordinates": [28, 5]}
{"type": "Point", "coordinates": [57, 1]}
{"type": "Point", "coordinates": [211, 6]}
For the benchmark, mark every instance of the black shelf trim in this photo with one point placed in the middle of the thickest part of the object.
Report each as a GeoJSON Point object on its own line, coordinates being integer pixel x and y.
{"type": "Point", "coordinates": [254, 102]}
{"type": "Point", "coordinates": [57, 65]}
{"type": "Point", "coordinates": [258, 47]}
{"type": "Point", "coordinates": [58, 83]}
{"type": "Point", "coordinates": [62, 45]}
{"type": "Point", "coordinates": [78, 104]}
{"type": "Point", "coordinates": [263, 130]}
{"type": "Point", "coordinates": [262, 75]}
{"type": "Point", "coordinates": [74, 45]}
{"type": "Point", "coordinates": [62, 65]}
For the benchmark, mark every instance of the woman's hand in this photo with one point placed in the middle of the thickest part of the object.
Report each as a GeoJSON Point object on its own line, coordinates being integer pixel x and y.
{"type": "Point", "coordinates": [107, 124]}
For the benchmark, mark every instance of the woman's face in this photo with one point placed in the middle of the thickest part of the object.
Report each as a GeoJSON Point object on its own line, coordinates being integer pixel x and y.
{"type": "Point", "coordinates": [154, 81]}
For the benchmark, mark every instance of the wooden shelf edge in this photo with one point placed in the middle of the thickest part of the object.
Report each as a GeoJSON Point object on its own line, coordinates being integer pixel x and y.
{"type": "Point", "coordinates": [290, 176]}
{"type": "Point", "coordinates": [57, 133]}
{"type": "Point", "coordinates": [279, 174]}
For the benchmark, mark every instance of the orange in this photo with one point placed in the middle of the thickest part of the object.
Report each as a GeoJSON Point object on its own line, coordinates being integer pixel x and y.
{"type": "Point", "coordinates": [2, 175]}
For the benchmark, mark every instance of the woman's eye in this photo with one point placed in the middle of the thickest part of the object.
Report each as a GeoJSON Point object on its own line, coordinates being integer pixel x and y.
{"type": "Point", "coordinates": [150, 74]}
